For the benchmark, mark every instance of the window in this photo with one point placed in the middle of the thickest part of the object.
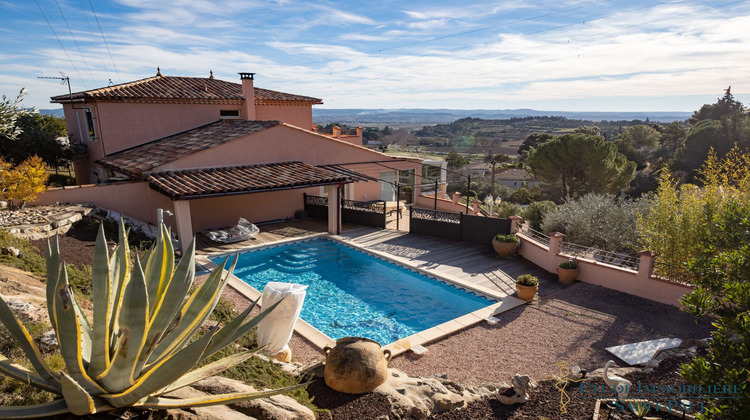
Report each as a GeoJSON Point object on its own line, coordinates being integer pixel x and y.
{"type": "Point", "coordinates": [90, 127]}
{"type": "Point", "coordinates": [228, 114]}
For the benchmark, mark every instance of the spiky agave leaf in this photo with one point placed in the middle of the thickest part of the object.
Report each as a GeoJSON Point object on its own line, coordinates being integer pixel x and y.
{"type": "Point", "coordinates": [100, 356]}
{"type": "Point", "coordinates": [168, 403]}
{"type": "Point", "coordinates": [22, 336]}
{"type": "Point", "coordinates": [69, 334]}
{"type": "Point", "coordinates": [133, 322]}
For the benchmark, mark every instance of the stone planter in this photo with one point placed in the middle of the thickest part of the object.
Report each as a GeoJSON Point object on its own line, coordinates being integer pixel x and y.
{"type": "Point", "coordinates": [505, 249]}
{"type": "Point", "coordinates": [355, 365]}
{"type": "Point", "coordinates": [567, 275]}
{"type": "Point", "coordinates": [526, 293]}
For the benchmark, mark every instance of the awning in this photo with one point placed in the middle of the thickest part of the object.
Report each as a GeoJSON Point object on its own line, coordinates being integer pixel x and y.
{"type": "Point", "coordinates": [233, 180]}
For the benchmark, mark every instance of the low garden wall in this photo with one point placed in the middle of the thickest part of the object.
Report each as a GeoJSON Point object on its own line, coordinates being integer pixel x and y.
{"type": "Point", "coordinates": [640, 282]}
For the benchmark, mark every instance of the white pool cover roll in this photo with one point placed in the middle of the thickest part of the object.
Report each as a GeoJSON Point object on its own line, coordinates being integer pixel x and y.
{"type": "Point", "coordinates": [275, 330]}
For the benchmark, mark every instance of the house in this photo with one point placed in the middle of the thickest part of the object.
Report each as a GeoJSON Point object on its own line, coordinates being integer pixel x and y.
{"type": "Point", "coordinates": [514, 178]}
{"type": "Point", "coordinates": [211, 151]}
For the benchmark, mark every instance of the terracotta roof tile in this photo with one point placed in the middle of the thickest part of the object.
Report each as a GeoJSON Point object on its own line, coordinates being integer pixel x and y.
{"type": "Point", "coordinates": [143, 158]}
{"type": "Point", "coordinates": [195, 183]}
{"type": "Point", "coordinates": [183, 90]}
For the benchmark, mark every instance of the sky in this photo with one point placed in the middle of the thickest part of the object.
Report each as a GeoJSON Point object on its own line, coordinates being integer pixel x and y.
{"type": "Point", "coordinates": [557, 55]}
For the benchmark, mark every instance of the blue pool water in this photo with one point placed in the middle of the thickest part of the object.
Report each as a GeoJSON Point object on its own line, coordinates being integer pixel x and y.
{"type": "Point", "coordinates": [351, 293]}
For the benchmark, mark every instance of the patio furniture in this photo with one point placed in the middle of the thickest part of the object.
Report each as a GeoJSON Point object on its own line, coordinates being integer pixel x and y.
{"type": "Point", "coordinates": [242, 231]}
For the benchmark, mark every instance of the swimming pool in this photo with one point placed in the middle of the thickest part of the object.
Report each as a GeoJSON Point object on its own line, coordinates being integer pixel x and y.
{"type": "Point", "coordinates": [352, 293]}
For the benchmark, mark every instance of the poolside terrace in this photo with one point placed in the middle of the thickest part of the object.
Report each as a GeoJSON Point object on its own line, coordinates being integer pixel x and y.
{"type": "Point", "coordinates": [574, 324]}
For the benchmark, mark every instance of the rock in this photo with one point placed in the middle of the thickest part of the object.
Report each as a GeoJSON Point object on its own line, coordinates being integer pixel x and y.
{"type": "Point", "coordinates": [422, 397]}
{"type": "Point", "coordinates": [26, 311]}
{"type": "Point", "coordinates": [277, 407]}
{"type": "Point", "coordinates": [214, 412]}
{"type": "Point", "coordinates": [48, 341]}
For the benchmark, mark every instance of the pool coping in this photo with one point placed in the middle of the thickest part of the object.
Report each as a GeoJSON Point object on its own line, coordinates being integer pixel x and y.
{"type": "Point", "coordinates": [320, 339]}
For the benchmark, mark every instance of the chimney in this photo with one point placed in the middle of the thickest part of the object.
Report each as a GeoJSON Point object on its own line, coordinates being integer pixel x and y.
{"type": "Point", "coordinates": [336, 132]}
{"type": "Point", "coordinates": [248, 91]}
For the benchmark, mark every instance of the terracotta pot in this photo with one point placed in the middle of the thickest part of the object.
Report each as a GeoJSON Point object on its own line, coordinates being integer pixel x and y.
{"type": "Point", "coordinates": [567, 275]}
{"type": "Point", "coordinates": [526, 293]}
{"type": "Point", "coordinates": [505, 249]}
{"type": "Point", "coordinates": [355, 365]}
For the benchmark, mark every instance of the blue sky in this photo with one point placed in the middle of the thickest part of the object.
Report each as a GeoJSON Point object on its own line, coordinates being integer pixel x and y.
{"type": "Point", "coordinates": [588, 55]}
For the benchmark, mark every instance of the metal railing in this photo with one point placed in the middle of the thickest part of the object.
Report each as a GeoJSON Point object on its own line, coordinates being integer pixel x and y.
{"type": "Point", "coordinates": [316, 200]}
{"type": "Point", "coordinates": [535, 235]}
{"type": "Point", "coordinates": [369, 207]}
{"type": "Point", "coordinates": [671, 273]}
{"type": "Point", "coordinates": [618, 259]}
{"type": "Point", "coordinates": [436, 215]}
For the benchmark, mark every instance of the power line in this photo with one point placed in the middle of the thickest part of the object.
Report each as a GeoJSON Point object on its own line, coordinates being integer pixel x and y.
{"type": "Point", "coordinates": [105, 41]}
{"type": "Point", "coordinates": [61, 44]}
{"type": "Point", "coordinates": [76, 42]}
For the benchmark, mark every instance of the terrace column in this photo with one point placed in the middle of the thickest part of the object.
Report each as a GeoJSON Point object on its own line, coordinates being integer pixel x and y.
{"type": "Point", "coordinates": [334, 209]}
{"type": "Point", "coordinates": [555, 242]}
{"type": "Point", "coordinates": [515, 223]}
{"type": "Point", "coordinates": [646, 264]}
{"type": "Point", "coordinates": [184, 223]}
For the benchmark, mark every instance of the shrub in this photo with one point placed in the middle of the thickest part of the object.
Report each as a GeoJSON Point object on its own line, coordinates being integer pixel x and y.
{"type": "Point", "coordinates": [527, 280]}
{"type": "Point", "coordinates": [506, 238]}
{"type": "Point", "coordinates": [534, 213]}
{"type": "Point", "coordinates": [569, 265]}
{"type": "Point", "coordinates": [598, 221]}
{"type": "Point", "coordinates": [506, 209]}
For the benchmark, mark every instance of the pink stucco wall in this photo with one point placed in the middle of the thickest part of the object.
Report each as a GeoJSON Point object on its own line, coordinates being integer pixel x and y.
{"type": "Point", "coordinates": [297, 115]}
{"type": "Point", "coordinates": [224, 211]}
{"type": "Point", "coordinates": [637, 283]}
{"type": "Point", "coordinates": [133, 199]}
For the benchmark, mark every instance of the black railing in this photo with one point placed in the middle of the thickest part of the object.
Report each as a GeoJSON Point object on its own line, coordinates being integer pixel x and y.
{"type": "Point", "coordinates": [456, 226]}
{"type": "Point", "coordinates": [366, 213]}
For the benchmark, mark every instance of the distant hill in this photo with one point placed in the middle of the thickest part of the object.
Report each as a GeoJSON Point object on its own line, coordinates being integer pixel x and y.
{"type": "Point", "coordinates": [419, 116]}
{"type": "Point", "coordinates": [56, 112]}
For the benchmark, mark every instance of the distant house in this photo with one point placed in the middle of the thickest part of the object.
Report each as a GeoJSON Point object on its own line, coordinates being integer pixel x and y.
{"type": "Point", "coordinates": [477, 169]}
{"type": "Point", "coordinates": [212, 151]}
{"type": "Point", "coordinates": [513, 178]}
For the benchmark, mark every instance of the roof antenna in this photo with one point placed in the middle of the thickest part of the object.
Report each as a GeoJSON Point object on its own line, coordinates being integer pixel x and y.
{"type": "Point", "coordinates": [64, 79]}
{"type": "Point", "coordinates": [110, 83]}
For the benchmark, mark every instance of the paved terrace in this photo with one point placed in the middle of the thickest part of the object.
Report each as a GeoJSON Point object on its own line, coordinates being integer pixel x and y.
{"type": "Point", "coordinates": [472, 263]}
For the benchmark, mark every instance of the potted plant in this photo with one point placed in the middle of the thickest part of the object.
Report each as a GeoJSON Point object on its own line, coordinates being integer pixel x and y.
{"type": "Point", "coordinates": [567, 271]}
{"type": "Point", "coordinates": [527, 286]}
{"type": "Point", "coordinates": [505, 245]}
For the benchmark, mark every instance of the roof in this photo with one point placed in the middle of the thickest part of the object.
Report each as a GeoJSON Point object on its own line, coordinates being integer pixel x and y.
{"type": "Point", "coordinates": [174, 89]}
{"type": "Point", "coordinates": [230, 180]}
{"type": "Point", "coordinates": [513, 174]}
{"type": "Point", "coordinates": [147, 156]}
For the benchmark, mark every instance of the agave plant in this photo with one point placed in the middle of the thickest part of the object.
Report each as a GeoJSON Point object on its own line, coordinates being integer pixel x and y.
{"type": "Point", "coordinates": [143, 340]}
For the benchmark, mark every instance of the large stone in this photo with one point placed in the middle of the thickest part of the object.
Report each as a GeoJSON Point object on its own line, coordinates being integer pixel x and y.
{"type": "Point", "coordinates": [421, 397]}
{"type": "Point", "coordinates": [277, 407]}
{"type": "Point", "coordinates": [214, 412]}
{"type": "Point", "coordinates": [48, 341]}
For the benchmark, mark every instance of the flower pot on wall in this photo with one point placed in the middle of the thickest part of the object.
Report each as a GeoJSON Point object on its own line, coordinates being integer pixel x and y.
{"type": "Point", "coordinates": [567, 275]}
